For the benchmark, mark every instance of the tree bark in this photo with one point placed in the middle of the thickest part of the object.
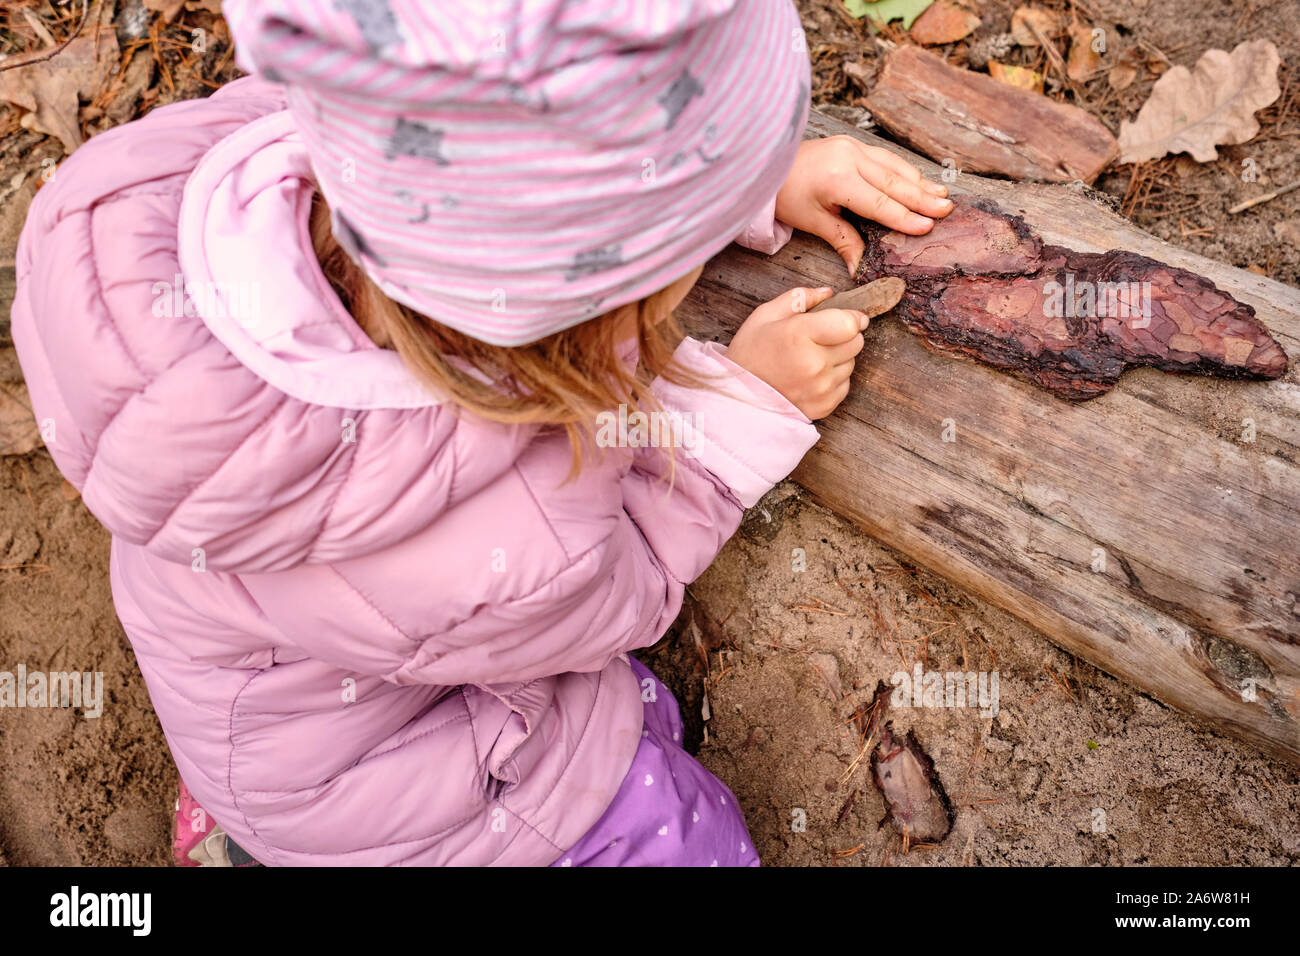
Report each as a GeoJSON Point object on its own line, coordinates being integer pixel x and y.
{"type": "Point", "coordinates": [1153, 531]}
{"type": "Point", "coordinates": [985, 126]}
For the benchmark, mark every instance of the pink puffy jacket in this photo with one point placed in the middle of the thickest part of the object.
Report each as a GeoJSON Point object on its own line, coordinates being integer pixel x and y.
{"type": "Point", "coordinates": [375, 631]}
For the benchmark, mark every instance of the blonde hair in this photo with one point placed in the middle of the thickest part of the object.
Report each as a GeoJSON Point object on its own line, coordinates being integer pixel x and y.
{"type": "Point", "coordinates": [564, 380]}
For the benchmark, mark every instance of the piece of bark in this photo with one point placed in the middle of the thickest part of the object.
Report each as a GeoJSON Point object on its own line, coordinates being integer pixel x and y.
{"type": "Point", "coordinates": [875, 298]}
{"type": "Point", "coordinates": [914, 796]}
{"type": "Point", "coordinates": [1151, 533]}
{"type": "Point", "coordinates": [903, 772]}
{"type": "Point", "coordinates": [1048, 23]}
{"type": "Point", "coordinates": [981, 283]}
{"type": "Point", "coordinates": [984, 126]}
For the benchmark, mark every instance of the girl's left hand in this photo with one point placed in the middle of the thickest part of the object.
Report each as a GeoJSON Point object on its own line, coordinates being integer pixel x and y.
{"type": "Point", "coordinates": [839, 172]}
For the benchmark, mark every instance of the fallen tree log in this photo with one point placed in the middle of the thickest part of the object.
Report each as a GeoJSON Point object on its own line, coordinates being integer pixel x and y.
{"type": "Point", "coordinates": [1153, 531]}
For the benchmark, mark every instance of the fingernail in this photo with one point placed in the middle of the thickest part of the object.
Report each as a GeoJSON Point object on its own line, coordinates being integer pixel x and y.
{"type": "Point", "coordinates": [939, 189]}
{"type": "Point", "coordinates": [920, 222]}
{"type": "Point", "coordinates": [863, 321]}
{"type": "Point", "coordinates": [947, 204]}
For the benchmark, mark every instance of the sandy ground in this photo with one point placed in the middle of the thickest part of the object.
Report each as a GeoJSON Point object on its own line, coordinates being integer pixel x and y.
{"type": "Point", "coordinates": [799, 651]}
{"type": "Point", "coordinates": [74, 790]}
{"type": "Point", "coordinates": [1076, 767]}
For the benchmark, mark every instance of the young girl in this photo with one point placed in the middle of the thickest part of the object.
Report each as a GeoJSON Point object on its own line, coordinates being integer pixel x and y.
{"type": "Point", "coordinates": [327, 353]}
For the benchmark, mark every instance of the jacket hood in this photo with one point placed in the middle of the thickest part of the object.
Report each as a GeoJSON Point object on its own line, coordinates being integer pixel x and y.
{"type": "Point", "coordinates": [274, 432]}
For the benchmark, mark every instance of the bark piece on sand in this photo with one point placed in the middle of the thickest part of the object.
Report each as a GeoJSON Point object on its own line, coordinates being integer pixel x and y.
{"type": "Point", "coordinates": [983, 284]}
{"type": "Point", "coordinates": [984, 126]}
{"type": "Point", "coordinates": [904, 774]}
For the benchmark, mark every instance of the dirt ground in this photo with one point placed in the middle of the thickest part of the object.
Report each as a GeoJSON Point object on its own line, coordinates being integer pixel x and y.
{"type": "Point", "coordinates": [795, 653]}
{"type": "Point", "coordinates": [1076, 768]}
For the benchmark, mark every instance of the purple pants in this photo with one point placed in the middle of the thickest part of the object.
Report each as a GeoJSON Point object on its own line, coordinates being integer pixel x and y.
{"type": "Point", "coordinates": [669, 811]}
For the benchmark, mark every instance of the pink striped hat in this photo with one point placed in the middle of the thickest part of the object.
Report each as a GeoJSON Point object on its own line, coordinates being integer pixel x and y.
{"type": "Point", "coordinates": [511, 168]}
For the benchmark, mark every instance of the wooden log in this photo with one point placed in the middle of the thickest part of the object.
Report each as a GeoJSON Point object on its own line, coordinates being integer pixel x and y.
{"type": "Point", "coordinates": [1141, 531]}
{"type": "Point", "coordinates": [984, 126]}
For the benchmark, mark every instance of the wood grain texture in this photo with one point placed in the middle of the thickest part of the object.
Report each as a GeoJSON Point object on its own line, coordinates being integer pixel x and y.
{"type": "Point", "coordinates": [985, 126]}
{"type": "Point", "coordinates": [1200, 529]}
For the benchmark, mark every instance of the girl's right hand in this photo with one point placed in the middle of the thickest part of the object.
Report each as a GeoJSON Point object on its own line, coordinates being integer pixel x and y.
{"type": "Point", "coordinates": [806, 356]}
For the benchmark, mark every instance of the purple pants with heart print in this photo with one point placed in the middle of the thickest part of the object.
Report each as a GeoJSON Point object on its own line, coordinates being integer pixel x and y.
{"type": "Point", "coordinates": [669, 811]}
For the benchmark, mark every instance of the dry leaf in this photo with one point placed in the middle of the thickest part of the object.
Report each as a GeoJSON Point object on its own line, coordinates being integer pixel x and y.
{"type": "Point", "coordinates": [1124, 72]}
{"type": "Point", "coordinates": [1193, 111]}
{"type": "Point", "coordinates": [1084, 62]}
{"type": "Point", "coordinates": [1049, 23]}
{"type": "Point", "coordinates": [18, 431]}
{"type": "Point", "coordinates": [1021, 77]}
{"type": "Point", "coordinates": [944, 23]}
{"type": "Point", "coordinates": [170, 9]}
{"type": "Point", "coordinates": [883, 11]}
{"type": "Point", "coordinates": [51, 90]}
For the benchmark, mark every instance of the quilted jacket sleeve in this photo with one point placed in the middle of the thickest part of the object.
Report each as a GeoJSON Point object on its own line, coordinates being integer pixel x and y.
{"type": "Point", "coordinates": [740, 437]}
{"type": "Point", "coordinates": [765, 233]}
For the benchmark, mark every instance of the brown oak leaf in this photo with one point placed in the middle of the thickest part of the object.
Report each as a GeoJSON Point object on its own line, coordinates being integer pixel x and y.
{"type": "Point", "coordinates": [50, 91]}
{"type": "Point", "coordinates": [1048, 22]}
{"type": "Point", "coordinates": [171, 8]}
{"type": "Point", "coordinates": [1193, 111]}
{"type": "Point", "coordinates": [1084, 61]}
{"type": "Point", "coordinates": [943, 22]}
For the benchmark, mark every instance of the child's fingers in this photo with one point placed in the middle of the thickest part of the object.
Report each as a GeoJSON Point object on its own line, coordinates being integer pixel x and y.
{"type": "Point", "coordinates": [867, 200]}
{"type": "Point", "coordinates": [802, 299]}
{"type": "Point", "coordinates": [834, 396]}
{"type": "Point", "coordinates": [843, 238]}
{"type": "Point", "coordinates": [831, 327]}
{"type": "Point", "coordinates": [905, 169]}
{"type": "Point", "coordinates": [909, 193]}
{"type": "Point", "coordinates": [837, 355]}
{"type": "Point", "coordinates": [792, 302]}
{"type": "Point", "coordinates": [897, 163]}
